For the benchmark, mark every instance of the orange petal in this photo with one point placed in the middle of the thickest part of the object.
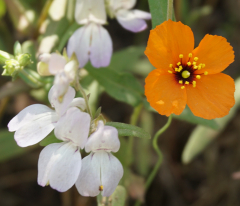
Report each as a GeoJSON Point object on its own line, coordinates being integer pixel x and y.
{"type": "Point", "coordinates": [164, 94]}
{"type": "Point", "coordinates": [212, 97]}
{"type": "Point", "coordinates": [167, 41]}
{"type": "Point", "coordinates": [215, 52]}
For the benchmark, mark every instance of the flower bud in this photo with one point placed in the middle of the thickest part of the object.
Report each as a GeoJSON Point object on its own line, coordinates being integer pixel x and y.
{"type": "Point", "coordinates": [24, 59]}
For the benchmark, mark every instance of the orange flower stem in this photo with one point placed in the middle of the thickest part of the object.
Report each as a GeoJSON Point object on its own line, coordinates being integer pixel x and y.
{"type": "Point", "coordinates": [170, 9]}
{"type": "Point", "coordinates": [160, 156]}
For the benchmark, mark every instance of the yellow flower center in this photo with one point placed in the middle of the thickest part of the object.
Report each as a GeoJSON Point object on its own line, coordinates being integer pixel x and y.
{"type": "Point", "coordinates": [186, 73]}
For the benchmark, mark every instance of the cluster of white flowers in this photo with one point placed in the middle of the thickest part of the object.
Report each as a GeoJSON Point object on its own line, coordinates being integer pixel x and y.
{"type": "Point", "coordinates": [60, 164]}
{"type": "Point", "coordinates": [92, 41]}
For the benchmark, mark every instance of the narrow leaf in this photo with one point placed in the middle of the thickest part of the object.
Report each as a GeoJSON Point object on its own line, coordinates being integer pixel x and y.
{"type": "Point", "coordinates": [129, 130]}
{"type": "Point", "coordinates": [121, 86]}
{"type": "Point", "coordinates": [158, 9]}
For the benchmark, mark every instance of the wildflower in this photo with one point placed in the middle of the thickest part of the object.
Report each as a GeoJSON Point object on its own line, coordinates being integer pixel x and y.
{"type": "Point", "coordinates": [36, 121]}
{"type": "Point", "coordinates": [132, 20]}
{"type": "Point", "coordinates": [59, 164]}
{"type": "Point", "coordinates": [64, 69]}
{"type": "Point", "coordinates": [185, 75]}
{"type": "Point", "coordinates": [101, 171]}
{"type": "Point", "coordinates": [91, 41]}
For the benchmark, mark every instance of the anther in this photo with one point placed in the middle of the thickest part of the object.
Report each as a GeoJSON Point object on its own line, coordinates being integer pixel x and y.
{"type": "Point", "coordinates": [205, 73]}
{"type": "Point", "coordinates": [176, 69]}
{"type": "Point", "coordinates": [194, 83]}
{"type": "Point", "coordinates": [180, 81]}
{"type": "Point", "coordinates": [186, 82]}
{"type": "Point", "coordinates": [195, 59]}
{"type": "Point", "coordinates": [178, 63]}
{"type": "Point", "coordinates": [170, 65]}
{"type": "Point", "coordinates": [101, 188]}
{"type": "Point", "coordinates": [194, 63]}
{"type": "Point", "coordinates": [182, 87]}
{"type": "Point", "coordinates": [198, 77]}
{"type": "Point", "coordinates": [186, 74]}
{"type": "Point", "coordinates": [169, 71]}
{"type": "Point", "coordinates": [199, 67]}
{"type": "Point", "coordinates": [189, 63]}
{"type": "Point", "coordinates": [203, 65]}
{"type": "Point", "coordinates": [180, 56]}
{"type": "Point", "coordinates": [180, 68]}
{"type": "Point", "coordinates": [195, 67]}
{"type": "Point", "coordinates": [190, 55]}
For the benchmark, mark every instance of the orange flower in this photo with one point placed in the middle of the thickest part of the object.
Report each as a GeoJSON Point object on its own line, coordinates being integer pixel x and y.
{"type": "Point", "coordinates": [185, 75]}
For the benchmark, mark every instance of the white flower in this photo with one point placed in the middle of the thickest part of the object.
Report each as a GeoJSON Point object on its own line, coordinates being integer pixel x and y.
{"type": "Point", "coordinates": [91, 41]}
{"type": "Point", "coordinates": [65, 72]}
{"type": "Point", "coordinates": [59, 164]}
{"type": "Point", "coordinates": [101, 171]}
{"type": "Point", "coordinates": [36, 121]}
{"type": "Point", "coordinates": [132, 20]}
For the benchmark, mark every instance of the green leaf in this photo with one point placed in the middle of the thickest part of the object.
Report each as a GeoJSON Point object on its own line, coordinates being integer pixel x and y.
{"type": "Point", "coordinates": [121, 86]}
{"type": "Point", "coordinates": [17, 48]}
{"type": "Point", "coordinates": [188, 116]}
{"type": "Point", "coordinates": [49, 140]}
{"type": "Point", "coordinates": [129, 130]}
{"type": "Point", "coordinates": [8, 147]}
{"type": "Point", "coordinates": [125, 59]}
{"type": "Point", "coordinates": [158, 9]}
{"type": "Point", "coordinates": [119, 196]}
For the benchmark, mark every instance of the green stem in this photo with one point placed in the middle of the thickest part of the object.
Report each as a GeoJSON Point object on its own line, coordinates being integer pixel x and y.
{"type": "Point", "coordinates": [30, 78]}
{"type": "Point", "coordinates": [133, 121]}
{"type": "Point", "coordinates": [79, 88]}
{"type": "Point", "coordinates": [169, 9]}
{"type": "Point", "coordinates": [160, 156]}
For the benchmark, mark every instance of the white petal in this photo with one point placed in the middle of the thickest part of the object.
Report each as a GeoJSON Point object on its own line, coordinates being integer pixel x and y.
{"type": "Point", "coordinates": [56, 63]}
{"type": "Point", "coordinates": [59, 164]}
{"type": "Point", "coordinates": [73, 126]}
{"type": "Point", "coordinates": [141, 14]}
{"type": "Point", "coordinates": [88, 181]}
{"type": "Point", "coordinates": [104, 138]}
{"type": "Point", "coordinates": [130, 21]}
{"type": "Point", "coordinates": [122, 4]}
{"type": "Point", "coordinates": [101, 47]}
{"type": "Point", "coordinates": [78, 102]}
{"type": "Point", "coordinates": [27, 115]}
{"type": "Point", "coordinates": [45, 57]}
{"type": "Point", "coordinates": [90, 11]}
{"type": "Point", "coordinates": [111, 173]}
{"type": "Point", "coordinates": [36, 130]}
{"type": "Point", "coordinates": [61, 85]}
{"type": "Point", "coordinates": [70, 70]}
{"type": "Point", "coordinates": [62, 106]}
{"type": "Point", "coordinates": [79, 43]}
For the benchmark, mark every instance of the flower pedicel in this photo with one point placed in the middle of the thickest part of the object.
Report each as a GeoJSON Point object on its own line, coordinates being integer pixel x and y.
{"type": "Point", "coordinates": [185, 75]}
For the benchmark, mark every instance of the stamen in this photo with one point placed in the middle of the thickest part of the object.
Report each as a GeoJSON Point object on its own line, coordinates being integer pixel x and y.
{"type": "Point", "coordinates": [190, 55]}
{"type": "Point", "coordinates": [195, 67]}
{"type": "Point", "coordinates": [205, 73]}
{"type": "Point", "coordinates": [178, 63]}
{"type": "Point", "coordinates": [195, 59]}
{"type": "Point", "coordinates": [181, 56]}
{"type": "Point", "coordinates": [198, 77]}
{"type": "Point", "coordinates": [189, 64]}
{"type": "Point", "coordinates": [180, 68]}
{"type": "Point", "coordinates": [199, 67]}
{"type": "Point", "coordinates": [203, 65]}
{"type": "Point", "coordinates": [182, 87]}
{"type": "Point", "coordinates": [194, 83]}
{"type": "Point", "coordinates": [186, 74]}
{"type": "Point", "coordinates": [194, 63]}
{"type": "Point", "coordinates": [170, 65]}
{"type": "Point", "coordinates": [169, 71]}
{"type": "Point", "coordinates": [180, 81]}
{"type": "Point", "coordinates": [101, 188]}
{"type": "Point", "coordinates": [176, 69]}
{"type": "Point", "coordinates": [186, 82]}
